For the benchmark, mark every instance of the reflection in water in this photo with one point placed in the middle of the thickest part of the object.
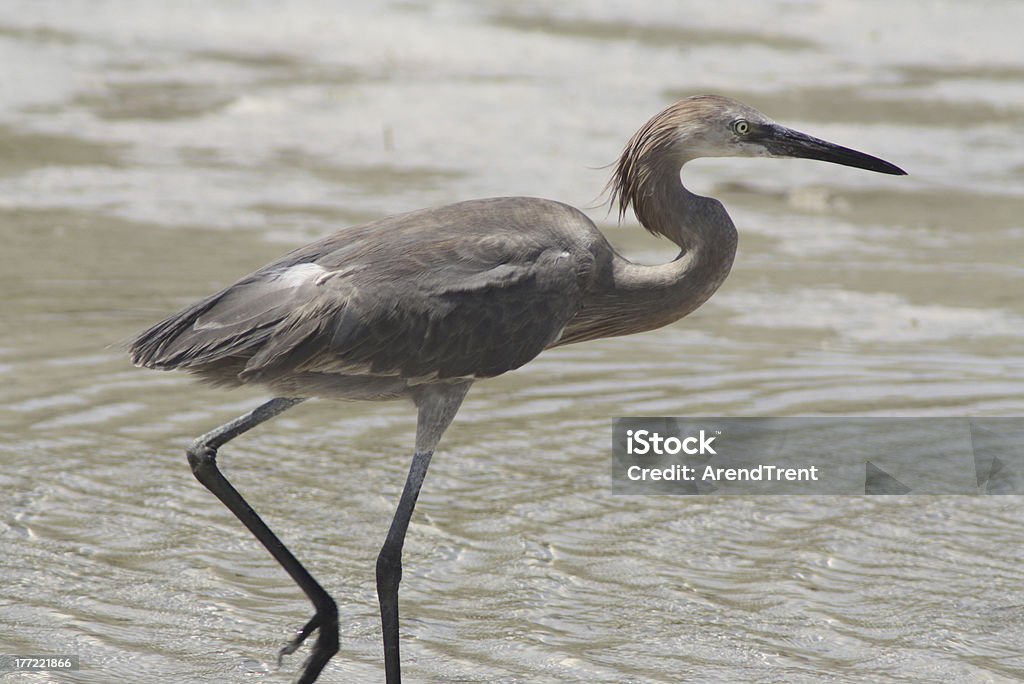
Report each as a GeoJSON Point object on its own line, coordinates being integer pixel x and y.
{"type": "Point", "coordinates": [151, 156]}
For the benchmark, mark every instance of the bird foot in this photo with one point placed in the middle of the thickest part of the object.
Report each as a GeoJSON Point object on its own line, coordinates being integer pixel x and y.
{"type": "Point", "coordinates": [325, 647]}
{"type": "Point", "coordinates": [300, 636]}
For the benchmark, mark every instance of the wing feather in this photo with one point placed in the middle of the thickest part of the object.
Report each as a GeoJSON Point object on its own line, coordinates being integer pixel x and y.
{"type": "Point", "coordinates": [447, 293]}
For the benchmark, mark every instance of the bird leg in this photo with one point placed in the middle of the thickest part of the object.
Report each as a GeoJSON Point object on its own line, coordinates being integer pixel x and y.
{"type": "Point", "coordinates": [437, 406]}
{"type": "Point", "coordinates": [389, 566]}
{"type": "Point", "coordinates": [202, 456]}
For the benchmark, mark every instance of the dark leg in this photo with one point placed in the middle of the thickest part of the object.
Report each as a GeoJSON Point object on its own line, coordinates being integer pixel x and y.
{"type": "Point", "coordinates": [202, 457]}
{"type": "Point", "coordinates": [389, 566]}
{"type": "Point", "coordinates": [437, 407]}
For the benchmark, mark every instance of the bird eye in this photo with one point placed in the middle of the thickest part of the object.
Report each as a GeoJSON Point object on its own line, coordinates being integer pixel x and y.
{"type": "Point", "coordinates": [741, 126]}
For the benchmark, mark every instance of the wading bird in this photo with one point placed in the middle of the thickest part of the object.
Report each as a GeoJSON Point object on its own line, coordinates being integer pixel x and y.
{"type": "Point", "coordinates": [420, 306]}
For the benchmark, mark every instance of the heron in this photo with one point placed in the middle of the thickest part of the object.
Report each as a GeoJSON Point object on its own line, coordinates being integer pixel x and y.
{"type": "Point", "coordinates": [421, 305]}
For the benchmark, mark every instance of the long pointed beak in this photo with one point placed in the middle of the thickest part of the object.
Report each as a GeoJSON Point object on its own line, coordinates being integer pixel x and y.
{"type": "Point", "coordinates": [785, 142]}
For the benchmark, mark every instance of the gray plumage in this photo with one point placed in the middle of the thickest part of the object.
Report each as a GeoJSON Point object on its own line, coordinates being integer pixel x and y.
{"type": "Point", "coordinates": [423, 304]}
{"type": "Point", "coordinates": [470, 290]}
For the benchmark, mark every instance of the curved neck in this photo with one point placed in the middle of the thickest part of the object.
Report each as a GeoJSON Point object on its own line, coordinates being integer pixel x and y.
{"type": "Point", "coordinates": [707, 241]}
{"type": "Point", "coordinates": [632, 297]}
{"type": "Point", "coordinates": [693, 222]}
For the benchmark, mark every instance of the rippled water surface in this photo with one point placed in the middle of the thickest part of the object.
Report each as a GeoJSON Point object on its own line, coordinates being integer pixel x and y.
{"type": "Point", "coordinates": [151, 153]}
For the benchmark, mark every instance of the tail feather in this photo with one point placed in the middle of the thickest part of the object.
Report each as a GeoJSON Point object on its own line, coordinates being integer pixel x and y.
{"type": "Point", "coordinates": [227, 329]}
{"type": "Point", "coordinates": [154, 348]}
{"type": "Point", "coordinates": [179, 343]}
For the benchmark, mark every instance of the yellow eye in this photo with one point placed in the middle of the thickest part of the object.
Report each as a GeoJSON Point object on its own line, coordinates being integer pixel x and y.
{"type": "Point", "coordinates": [741, 126]}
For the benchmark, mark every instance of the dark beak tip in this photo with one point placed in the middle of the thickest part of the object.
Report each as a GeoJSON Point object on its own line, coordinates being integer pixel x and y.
{"type": "Point", "coordinates": [891, 169]}
{"type": "Point", "coordinates": [789, 143]}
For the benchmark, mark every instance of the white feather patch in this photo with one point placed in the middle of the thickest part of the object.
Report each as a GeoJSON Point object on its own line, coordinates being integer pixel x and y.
{"type": "Point", "coordinates": [299, 274]}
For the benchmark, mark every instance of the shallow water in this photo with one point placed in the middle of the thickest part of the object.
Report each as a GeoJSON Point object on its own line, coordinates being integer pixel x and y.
{"type": "Point", "coordinates": [149, 156]}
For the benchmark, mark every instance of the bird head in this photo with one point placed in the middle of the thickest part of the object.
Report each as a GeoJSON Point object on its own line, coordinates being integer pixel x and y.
{"type": "Point", "coordinates": [715, 126]}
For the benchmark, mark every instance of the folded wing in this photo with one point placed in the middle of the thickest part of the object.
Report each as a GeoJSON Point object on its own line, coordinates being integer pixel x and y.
{"type": "Point", "coordinates": [372, 302]}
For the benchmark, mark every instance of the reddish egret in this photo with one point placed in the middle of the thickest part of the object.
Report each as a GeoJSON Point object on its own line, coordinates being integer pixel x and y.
{"type": "Point", "coordinates": [420, 306]}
